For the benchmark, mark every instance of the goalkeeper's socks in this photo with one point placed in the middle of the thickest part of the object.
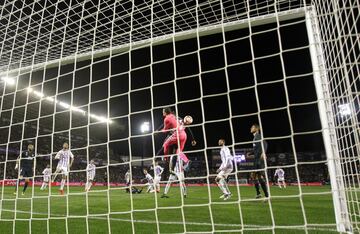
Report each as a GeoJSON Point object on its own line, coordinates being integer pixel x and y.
{"type": "Point", "coordinates": [25, 186]}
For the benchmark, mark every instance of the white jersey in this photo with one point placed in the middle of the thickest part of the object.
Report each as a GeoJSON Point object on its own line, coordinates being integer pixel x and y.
{"type": "Point", "coordinates": [226, 159]}
{"type": "Point", "coordinates": [280, 173]}
{"type": "Point", "coordinates": [47, 174]}
{"type": "Point", "coordinates": [158, 170]}
{"type": "Point", "coordinates": [90, 170]}
{"type": "Point", "coordinates": [149, 178]}
{"type": "Point", "coordinates": [64, 158]}
{"type": "Point", "coordinates": [127, 177]}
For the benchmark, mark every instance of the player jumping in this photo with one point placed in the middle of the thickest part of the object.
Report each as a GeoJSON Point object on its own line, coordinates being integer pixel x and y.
{"type": "Point", "coordinates": [177, 175]}
{"type": "Point", "coordinates": [177, 137]}
{"type": "Point", "coordinates": [66, 159]}
{"type": "Point", "coordinates": [26, 164]}
{"type": "Point", "coordinates": [259, 148]}
{"type": "Point", "coordinates": [90, 175]}
{"type": "Point", "coordinates": [280, 174]}
{"type": "Point", "coordinates": [224, 170]}
{"type": "Point", "coordinates": [47, 177]}
{"type": "Point", "coordinates": [158, 170]}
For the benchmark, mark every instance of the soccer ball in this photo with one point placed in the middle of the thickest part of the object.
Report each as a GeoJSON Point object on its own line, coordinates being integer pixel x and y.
{"type": "Point", "coordinates": [188, 119]}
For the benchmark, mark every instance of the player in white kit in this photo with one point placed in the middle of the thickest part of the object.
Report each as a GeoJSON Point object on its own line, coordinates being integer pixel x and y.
{"type": "Point", "coordinates": [177, 175]}
{"type": "Point", "coordinates": [90, 175]}
{"type": "Point", "coordinates": [280, 174]}
{"type": "Point", "coordinates": [158, 170]}
{"type": "Point", "coordinates": [66, 159]}
{"type": "Point", "coordinates": [47, 176]}
{"type": "Point", "coordinates": [224, 170]}
{"type": "Point", "coordinates": [150, 182]}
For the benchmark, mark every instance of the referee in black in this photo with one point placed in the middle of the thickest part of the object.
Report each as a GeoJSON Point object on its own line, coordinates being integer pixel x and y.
{"type": "Point", "coordinates": [26, 164]}
{"type": "Point", "coordinates": [259, 148]}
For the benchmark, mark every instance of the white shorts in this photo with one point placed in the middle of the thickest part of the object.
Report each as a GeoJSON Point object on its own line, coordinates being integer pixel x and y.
{"type": "Point", "coordinates": [224, 173]}
{"type": "Point", "coordinates": [281, 179]}
{"type": "Point", "coordinates": [90, 177]}
{"type": "Point", "coordinates": [179, 176]}
{"type": "Point", "coordinates": [63, 170]}
{"type": "Point", "coordinates": [157, 179]}
{"type": "Point", "coordinates": [46, 178]}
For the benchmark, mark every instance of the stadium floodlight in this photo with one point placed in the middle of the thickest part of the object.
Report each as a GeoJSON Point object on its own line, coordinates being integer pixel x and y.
{"type": "Point", "coordinates": [39, 94]}
{"type": "Point", "coordinates": [345, 109]}
{"type": "Point", "coordinates": [145, 127]}
{"type": "Point", "coordinates": [8, 80]}
{"type": "Point", "coordinates": [65, 105]}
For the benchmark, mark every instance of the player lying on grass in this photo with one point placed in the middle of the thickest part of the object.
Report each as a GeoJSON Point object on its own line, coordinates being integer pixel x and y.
{"type": "Point", "coordinates": [280, 174]}
{"type": "Point", "coordinates": [224, 170]}
{"type": "Point", "coordinates": [158, 170]}
{"type": "Point", "coordinates": [259, 150]}
{"type": "Point", "coordinates": [177, 175]}
{"type": "Point", "coordinates": [66, 159]}
{"type": "Point", "coordinates": [90, 175]}
{"type": "Point", "coordinates": [150, 182]}
{"type": "Point", "coordinates": [128, 179]}
{"type": "Point", "coordinates": [176, 129]}
{"type": "Point", "coordinates": [46, 178]}
{"type": "Point", "coordinates": [26, 164]}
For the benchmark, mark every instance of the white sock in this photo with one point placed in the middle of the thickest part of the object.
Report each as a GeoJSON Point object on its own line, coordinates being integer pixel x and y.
{"type": "Point", "coordinates": [183, 187]}
{"type": "Point", "coordinates": [88, 185]}
{"type": "Point", "coordinates": [221, 187]}
{"type": "Point", "coordinates": [42, 186]}
{"type": "Point", "coordinates": [167, 188]}
{"type": "Point", "coordinates": [226, 187]}
{"type": "Point", "coordinates": [62, 184]}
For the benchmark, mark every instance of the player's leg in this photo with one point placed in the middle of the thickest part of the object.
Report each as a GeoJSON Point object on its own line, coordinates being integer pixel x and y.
{"type": "Point", "coordinates": [63, 181]}
{"type": "Point", "coordinates": [254, 176]}
{"type": "Point", "coordinates": [157, 184]}
{"type": "Point", "coordinates": [170, 141]}
{"type": "Point", "coordinates": [181, 178]}
{"type": "Point", "coordinates": [88, 184]}
{"type": "Point", "coordinates": [263, 184]}
{"type": "Point", "coordinates": [44, 185]}
{"type": "Point", "coordinates": [26, 184]}
{"type": "Point", "coordinates": [283, 183]}
{"type": "Point", "coordinates": [182, 142]}
{"type": "Point", "coordinates": [168, 185]}
{"type": "Point", "coordinates": [227, 173]}
{"type": "Point", "coordinates": [279, 183]}
{"type": "Point", "coordinates": [18, 182]}
{"type": "Point", "coordinates": [218, 178]}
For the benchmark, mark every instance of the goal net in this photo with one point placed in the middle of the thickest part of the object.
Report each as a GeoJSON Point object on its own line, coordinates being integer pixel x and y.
{"type": "Point", "coordinates": [277, 80]}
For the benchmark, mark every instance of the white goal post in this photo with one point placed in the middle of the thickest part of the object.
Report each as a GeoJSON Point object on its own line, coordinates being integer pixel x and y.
{"type": "Point", "coordinates": [333, 44]}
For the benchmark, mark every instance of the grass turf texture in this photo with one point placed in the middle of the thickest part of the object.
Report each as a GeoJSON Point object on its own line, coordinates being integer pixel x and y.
{"type": "Point", "coordinates": [109, 210]}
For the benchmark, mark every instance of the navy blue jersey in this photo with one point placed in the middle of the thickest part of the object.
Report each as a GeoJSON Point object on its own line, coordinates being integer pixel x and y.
{"type": "Point", "coordinates": [258, 145]}
{"type": "Point", "coordinates": [27, 159]}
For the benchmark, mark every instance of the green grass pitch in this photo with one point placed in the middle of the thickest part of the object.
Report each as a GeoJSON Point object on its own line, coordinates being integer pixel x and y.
{"type": "Point", "coordinates": [104, 211]}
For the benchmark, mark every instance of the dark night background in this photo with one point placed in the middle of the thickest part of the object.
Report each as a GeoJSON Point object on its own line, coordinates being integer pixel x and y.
{"type": "Point", "coordinates": [211, 79]}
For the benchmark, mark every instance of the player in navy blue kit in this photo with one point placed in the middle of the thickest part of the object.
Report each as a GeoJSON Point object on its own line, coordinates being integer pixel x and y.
{"type": "Point", "coordinates": [259, 147]}
{"type": "Point", "coordinates": [26, 164]}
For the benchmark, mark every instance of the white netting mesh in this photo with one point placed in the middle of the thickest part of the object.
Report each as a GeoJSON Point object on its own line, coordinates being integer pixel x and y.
{"type": "Point", "coordinates": [93, 72]}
